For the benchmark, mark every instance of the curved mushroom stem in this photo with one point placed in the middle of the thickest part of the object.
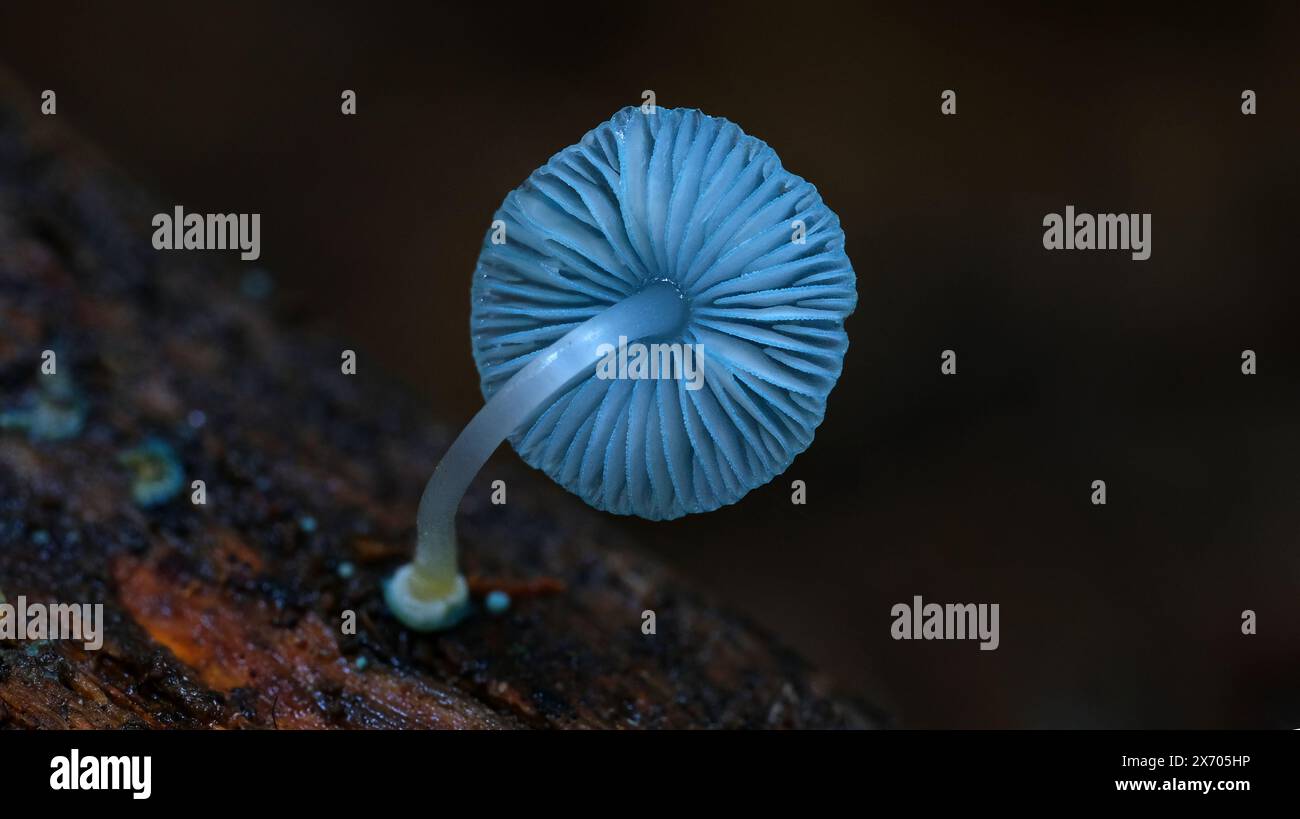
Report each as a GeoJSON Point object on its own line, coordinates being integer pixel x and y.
{"type": "Point", "coordinates": [429, 593]}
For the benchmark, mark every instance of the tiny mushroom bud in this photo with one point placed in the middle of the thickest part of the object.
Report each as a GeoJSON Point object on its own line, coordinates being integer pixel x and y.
{"type": "Point", "coordinates": [155, 471]}
{"type": "Point", "coordinates": [671, 232]}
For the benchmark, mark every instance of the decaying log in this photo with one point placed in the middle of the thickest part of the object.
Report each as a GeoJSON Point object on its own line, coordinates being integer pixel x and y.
{"type": "Point", "coordinates": [228, 613]}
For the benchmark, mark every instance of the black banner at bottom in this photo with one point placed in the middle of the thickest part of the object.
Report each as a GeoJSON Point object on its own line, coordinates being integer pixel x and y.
{"type": "Point", "coordinates": [185, 770]}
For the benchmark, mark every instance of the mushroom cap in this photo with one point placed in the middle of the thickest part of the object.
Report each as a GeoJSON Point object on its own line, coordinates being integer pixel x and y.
{"type": "Point", "coordinates": [681, 196]}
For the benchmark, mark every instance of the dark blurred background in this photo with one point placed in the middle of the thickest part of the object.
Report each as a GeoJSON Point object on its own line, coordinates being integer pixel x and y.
{"type": "Point", "coordinates": [975, 488]}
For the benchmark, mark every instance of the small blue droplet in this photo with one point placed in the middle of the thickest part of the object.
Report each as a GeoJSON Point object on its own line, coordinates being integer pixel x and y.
{"type": "Point", "coordinates": [307, 523]}
{"type": "Point", "coordinates": [362, 662]}
{"type": "Point", "coordinates": [40, 537]}
{"type": "Point", "coordinates": [497, 602]}
{"type": "Point", "coordinates": [156, 473]}
{"type": "Point", "coordinates": [55, 411]}
{"type": "Point", "coordinates": [196, 419]}
{"type": "Point", "coordinates": [346, 570]}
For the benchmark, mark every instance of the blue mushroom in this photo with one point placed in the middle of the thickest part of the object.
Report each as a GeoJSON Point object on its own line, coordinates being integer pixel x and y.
{"type": "Point", "coordinates": [669, 238]}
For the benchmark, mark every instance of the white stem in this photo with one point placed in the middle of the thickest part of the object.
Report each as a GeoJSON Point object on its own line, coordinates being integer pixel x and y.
{"type": "Point", "coordinates": [657, 310]}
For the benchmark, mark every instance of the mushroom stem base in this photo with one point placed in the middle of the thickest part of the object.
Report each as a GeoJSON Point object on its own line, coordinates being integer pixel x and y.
{"type": "Point", "coordinates": [423, 603]}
